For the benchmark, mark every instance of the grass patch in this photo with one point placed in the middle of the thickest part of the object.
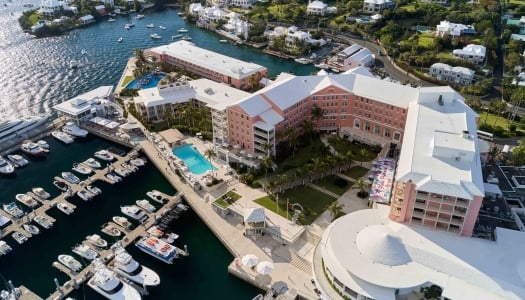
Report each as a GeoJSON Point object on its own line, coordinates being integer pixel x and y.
{"type": "Point", "coordinates": [447, 55]}
{"type": "Point", "coordinates": [408, 7]}
{"type": "Point", "coordinates": [313, 202]}
{"type": "Point", "coordinates": [334, 184]}
{"type": "Point", "coordinates": [227, 199]}
{"type": "Point", "coordinates": [356, 172]}
{"type": "Point", "coordinates": [126, 80]}
{"type": "Point", "coordinates": [302, 156]}
{"type": "Point", "coordinates": [425, 40]}
{"type": "Point", "coordinates": [519, 2]}
{"type": "Point", "coordinates": [493, 120]}
{"type": "Point", "coordinates": [344, 146]}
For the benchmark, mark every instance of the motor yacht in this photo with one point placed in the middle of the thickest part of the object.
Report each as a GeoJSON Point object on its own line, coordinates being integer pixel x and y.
{"type": "Point", "coordinates": [113, 177]}
{"type": "Point", "coordinates": [126, 266]}
{"type": "Point", "coordinates": [129, 167]}
{"type": "Point", "coordinates": [26, 200]}
{"type": "Point", "coordinates": [81, 169]}
{"type": "Point", "coordinates": [150, 26]}
{"type": "Point", "coordinates": [63, 137]}
{"type": "Point", "coordinates": [70, 177]}
{"type": "Point", "coordinates": [43, 144]}
{"type": "Point", "coordinates": [121, 172]}
{"type": "Point", "coordinates": [17, 160]}
{"type": "Point", "coordinates": [155, 36]}
{"type": "Point", "coordinates": [73, 129]}
{"type": "Point", "coordinates": [6, 167]}
{"type": "Point", "coordinates": [137, 162]}
{"type": "Point", "coordinates": [13, 210]}
{"type": "Point", "coordinates": [122, 221]}
{"type": "Point", "coordinates": [85, 251]}
{"type": "Point", "coordinates": [134, 212]}
{"type": "Point", "coordinates": [158, 249]}
{"type": "Point", "coordinates": [181, 207]}
{"type": "Point", "coordinates": [41, 193]}
{"type": "Point", "coordinates": [106, 283]}
{"type": "Point", "coordinates": [84, 195]}
{"type": "Point", "coordinates": [92, 163]}
{"type": "Point", "coordinates": [65, 208]}
{"type": "Point", "coordinates": [120, 39]}
{"type": "Point", "coordinates": [162, 27]}
{"type": "Point", "coordinates": [174, 37]}
{"type": "Point", "coordinates": [110, 20]}
{"type": "Point", "coordinates": [32, 229]}
{"type": "Point", "coordinates": [43, 221]}
{"type": "Point", "coordinates": [144, 204]}
{"type": "Point", "coordinates": [14, 127]}
{"type": "Point", "coordinates": [73, 64]}
{"type": "Point", "coordinates": [104, 155]}
{"type": "Point", "coordinates": [170, 237]}
{"type": "Point", "coordinates": [83, 52]}
{"type": "Point", "coordinates": [93, 190]}
{"type": "Point", "coordinates": [223, 41]}
{"type": "Point", "coordinates": [19, 237]}
{"type": "Point", "coordinates": [4, 248]}
{"type": "Point", "coordinates": [111, 229]}
{"type": "Point", "coordinates": [138, 17]}
{"type": "Point", "coordinates": [64, 187]}
{"type": "Point", "coordinates": [186, 38]}
{"type": "Point", "coordinates": [96, 241]}
{"type": "Point", "coordinates": [156, 196]}
{"type": "Point", "coordinates": [32, 149]}
{"type": "Point", "coordinates": [70, 262]}
{"type": "Point", "coordinates": [182, 30]}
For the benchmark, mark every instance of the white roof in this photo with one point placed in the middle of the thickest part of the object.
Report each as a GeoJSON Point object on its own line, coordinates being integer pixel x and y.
{"type": "Point", "coordinates": [84, 102]}
{"type": "Point", "coordinates": [317, 4]}
{"type": "Point", "coordinates": [187, 51]}
{"type": "Point", "coordinates": [155, 96]}
{"type": "Point", "coordinates": [215, 94]}
{"type": "Point", "coordinates": [375, 256]}
{"type": "Point", "coordinates": [364, 55]}
{"type": "Point", "coordinates": [449, 68]}
{"type": "Point", "coordinates": [254, 215]}
{"type": "Point", "coordinates": [361, 70]}
{"type": "Point", "coordinates": [472, 49]}
{"type": "Point", "coordinates": [350, 50]}
{"type": "Point", "coordinates": [436, 156]}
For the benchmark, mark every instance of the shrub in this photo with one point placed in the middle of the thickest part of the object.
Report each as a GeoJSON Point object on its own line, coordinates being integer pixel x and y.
{"type": "Point", "coordinates": [340, 182]}
{"type": "Point", "coordinates": [362, 194]}
{"type": "Point", "coordinates": [512, 127]}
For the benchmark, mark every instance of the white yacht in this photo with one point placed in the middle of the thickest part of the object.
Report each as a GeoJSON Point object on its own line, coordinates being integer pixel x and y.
{"type": "Point", "coordinates": [32, 229]}
{"type": "Point", "coordinates": [92, 163]}
{"type": "Point", "coordinates": [137, 162]}
{"type": "Point", "coordinates": [81, 169]}
{"type": "Point", "coordinates": [62, 136]}
{"type": "Point", "coordinates": [43, 144]}
{"type": "Point", "coordinates": [121, 172]}
{"type": "Point", "coordinates": [43, 221]}
{"type": "Point", "coordinates": [6, 167]}
{"type": "Point", "coordinates": [93, 190]}
{"type": "Point", "coordinates": [122, 221]}
{"type": "Point", "coordinates": [150, 26]}
{"type": "Point", "coordinates": [96, 241]}
{"type": "Point", "coordinates": [134, 212]}
{"type": "Point", "coordinates": [19, 237]}
{"type": "Point", "coordinates": [14, 128]}
{"type": "Point", "coordinates": [85, 251]}
{"type": "Point", "coordinates": [182, 30]}
{"type": "Point", "coordinates": [106, 283]}
{"type": "Point", "coordinates": [155, 36]}
{"type": "Point", "coordinates": [162, 27]}
{"type": "Point", "coordinates": [26, 200]}
{"type": "Point", "coordinates": [17, 160]}
{"type": "Point", "coordinates": [65, 208]}
{"type": "Point", "coordinates": [13, 210]}
{"type": "Point", "coordinates": [129, 167]}
{"type": "Point", "coordinates": [4, 248]}
{"type": "Point", "coordinates": [70, 262]}
{"type": "Point", "coordinates": [111, 229]}
{"type": "Point", "coordinates": [158, 249]}
{"type": "Point", "coordinates": [144, 204]}
{"type": "Point", "coordinates": [70, 177]}
{"type": "Point", "coordinates": [73, 129]}
{"type": "Point", "coordinates": [126, 266]}
{"type": "Point", "coordinates": [41, 193]}
{"type": "Point", "coordinates": [64, 187]}
{"type": "Point", "coordinates": [84, 195]}
{"type": "Point", "coordinates": [156, 196]}
{"type": "Point", "coordinates": [32, 149]}
{"type": "Point", "coordinates": [138, 17]}
{"type": "Point", "coordinates": [104, 155]}
{"type": "Point", "coordinates": [120, 39]}
{"type": "Point", "coordinates": [114, 177]}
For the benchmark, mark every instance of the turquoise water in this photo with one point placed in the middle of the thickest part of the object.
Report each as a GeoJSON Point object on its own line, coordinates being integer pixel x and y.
{"type": "Point", "coordinates": [194, 160]}
{"type": "Point", "coordinates": [145, 82]}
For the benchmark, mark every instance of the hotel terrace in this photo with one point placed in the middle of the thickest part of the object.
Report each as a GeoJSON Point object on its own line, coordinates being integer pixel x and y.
{"type": "Point", "coordinates": [209, 64]}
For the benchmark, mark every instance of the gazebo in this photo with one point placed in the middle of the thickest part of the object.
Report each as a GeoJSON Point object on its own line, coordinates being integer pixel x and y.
{"type": "Point", "coordinates": [254, 221]}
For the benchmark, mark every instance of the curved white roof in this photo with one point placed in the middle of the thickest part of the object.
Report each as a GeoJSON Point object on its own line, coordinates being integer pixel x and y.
{"type": "Point", "coordinates": [381, 246]}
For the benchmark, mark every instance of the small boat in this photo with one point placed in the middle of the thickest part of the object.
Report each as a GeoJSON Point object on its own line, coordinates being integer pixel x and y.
{"type": "Point", "coordinates": [64, 187]}
{"type": "Point", "coordinates": [43, 144]}
{"type": "Point", "coordinates": [122, 221]}
{"type": "Point", "coordinates": [186, 38]}
{"type": "Point", "coordinates": [181, 207]}
{"type": "Point", "coordinates": [32, 229]}
{"type": "Point", "coordinates": [72, 129]}
{"type": "Point", "coordinates": [182, 30]}
{"type": "Point", "coordinates": [134, 212]}
{"type": "Point", "coordinates": [43, 221]}
{"type": "Point", "coordinates": [156, 196]}
{"type": "Point", "coordinates": [84, 195]}
{"type": "Point", "coordinates": [180, 14]}
{"type": "Point", "coordinates": [85, 251]}
{"type": "Point", "coordinates": [26, 200]}
{"type": "Point", "coordinates": [144, 204]}
{"type": "Point", "coordinates": [138, 17]}
{"type": "Point", "coordinates": [150, 26]}
{"type": "Point", "coordinates": [17, 160]}
{"type": "Point", "coordinates": [70, 262]}
{"type": "Point", "coordinates": [13, 210]}
{"type": "Point", "coordinates": [121, 172]}
{"type": "Point", "coordinates": [81, 169]}
{"type": "Point", "coordinates": [70, 177]}
{"type": "Point", "coordinates": [170, 237]}
{"type": "Point", "coordinates": [93, 189]}
{"type": "Point", "coordinates": [32, 149]}
{"type": "Point", "coordinates": [129, 167]}
{"type": "Point", "coordinates": [162, 27]}
{"type": "Point", "coordinates": [113, 177]}
{"type": "Point", "coordinates": [83, 52]}
{"type": "Point", "coordinates": [63, 137]}
{"type": "Point", "coordinates": [96, 241]}
{"type": "Point", "coordinates": [111, 230]}
{"type": "Point", "coordinates": [120, 39]}
{"type": "Point", "coordinates": [177, 36]}
{"type": "Point", "coordinates": [137, 162]}
{"type": "Point", "coordinates": [111, 20]}
{"type": "Point", "coordinates": [126, 266]}
{"type": "Point", "coordinates": [158, 249]}
{"type": "Point", "coordinates": [73, 64]}
{"type": "Point", "coordinates": [223, 41]}
{"type": "Point", "coordinates": [104, 155]}
{"type": "Point", "coordinates": [65, 208]}
{"type": "Point", "coordinates": [41, 193]}
{"type": "Point", "coordinates": [155, 36]}
{"type": "Point", "coordinates": [127, 26]}
{"type": "Point", "coordinates": [4, 248]}
{"type": "Point", "coordinates": [6, 167]}
{"type": "Point", "coordinates": [92, 163]}
{"type": "Point", "coordinates": [107, 284]}
{"type": "Point", "coordinates": [19, 237]}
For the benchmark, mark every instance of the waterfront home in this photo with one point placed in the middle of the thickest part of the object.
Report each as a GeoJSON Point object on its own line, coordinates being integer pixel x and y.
{"type": "Point", "coordinates": [236, 26]}
{"type": "Point", "coordinates": [317, 8]}
{"type": "Point", "coordinates": [377, 6]}
{"type": "Point", "coordinates": [241, 3]}
{"type": "Point", "coordinates": [84, 107]}
{"type": "Point", "coordinates": [352, 57]}
{"type": "Point", "coordinates": [293, 34]}
{"type": "Point", "coordinates": [473, 53]}
{"type": "Point", "coordinates": [101, 9]}
{"type": "Point", "coordinates": [87, 19]}
{"type": "Point", "coordinates": [195, 9]}
{"type": "Point", "coordinates": [454, 29]}
{"type": "Point", "coordinates": [456, 75]}
{"type": "Point", "coordinates": [52, 7]}
{"type": "Point", "coordinates": [212, 14]}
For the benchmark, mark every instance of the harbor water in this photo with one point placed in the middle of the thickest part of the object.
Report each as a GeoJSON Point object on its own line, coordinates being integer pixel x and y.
{"type": "Point", "coordinates": [202, 275]}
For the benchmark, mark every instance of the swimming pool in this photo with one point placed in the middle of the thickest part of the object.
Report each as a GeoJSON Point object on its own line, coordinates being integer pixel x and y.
{"type": "Point", "coordinates": [145, 82]}
{"type": "Point", "coordinates": [196, 162]}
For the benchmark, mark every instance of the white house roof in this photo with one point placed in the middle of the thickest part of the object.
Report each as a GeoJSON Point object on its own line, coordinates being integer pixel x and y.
{"type": "Point", "coordinates": [350, 50]}
{"type": "Point", "coordinates": [374, 256]}
{"type": "Point", "coordinates": [254, 105]}
{"type": "Point", "coordinates": [215, 94]}
{"type": "Point", "coordinates": [254, 215]}
{"type": "Point", "coordinates": [317, 4]}
{"type": "Point", "coordinates": [364, 55]}
{"type": "Point", "coordinates": [449, 68]}
{"type": "Point", "coordinates": [361, 70]}
{"type": "Point", "coordinates": [472, 49]}
{"type": "Point", "coordinates": [271, 117]}
{"type": "Point", "coordinates": [83, 102]}
{"type": "Point", "coordinates": [210, 60]}
{"type": "Point", "coordinates": [378, 1]}
{"type": "Point", "coordinates": [154, 97]}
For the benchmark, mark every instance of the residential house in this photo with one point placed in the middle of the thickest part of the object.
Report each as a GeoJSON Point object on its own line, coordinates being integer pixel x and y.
{"type": "Point", "coordinates": [454, 29]}
{"type": "Point", "coordinates": [456, 75]}
{"type": "Point", "coordinates": [87, 19]}
{"type": "Point", "coordinates": [377, 6]}
{"type": "Point", "coordinates": [352, 57]}
{"type": "Point", "coordinates": [473, 53]}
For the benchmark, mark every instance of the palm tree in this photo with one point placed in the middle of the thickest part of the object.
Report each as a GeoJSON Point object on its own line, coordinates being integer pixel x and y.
{"type": "Point", "coordinates": [267, 147]}
{"type": "Point", "coordinates": [139, 54]}
{"type": "Point", "coordinates": [336, 210]}
{"type": "Point", "coordinates": [266, 163]}
{"type": "Point", "coordinates": [317, 114]}
{"type": "Point", "coordinates": [167, 116]}
{"type": "Point", "coordinates": [360, 185]}
{"type": "Point", "coordinates": [210, 153]}
{"type": "Point", "coordinates": [281, 180]}
{"type": "Point", "coordinates": [308, 129]}
{"type": "Point", "coordinates": [363, 153]}
{"type": "Point", "coordinates": [494, 154]}
{"type": "Point", "coordinates": [291, 135]}
{"type": "Point", "coordinates": [270, 188]}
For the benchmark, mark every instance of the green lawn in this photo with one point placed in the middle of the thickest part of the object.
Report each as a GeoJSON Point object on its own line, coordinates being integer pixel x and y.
{"type": "Point", "coordinates": [426, 40]}
{"type": "Point", "coordinates": [408, 7]}
{"type": "Point", "coordinates": [356, 172]}
{"type": "Point", "coordinates": [328, 183]}
{"type": "Point", "coordinates": [313, 201]}
{"type": "Point", "coordinates": [491, 119]}
{"type": "Point", "coordinates": [447, 54]}
{"type": "Point", "coordinates": [342, 146]}
{"type": "Point", "coordinates": [519, 2]}
{"type": "Point", "coordinates": [302, 156]}
{"type": "Point", "coordinates": [223, 202]}
{"type": "Point", "coordinates": [126, 80]}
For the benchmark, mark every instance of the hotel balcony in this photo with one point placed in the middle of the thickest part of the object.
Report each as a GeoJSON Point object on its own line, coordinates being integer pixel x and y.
{"type": "Point", "coordinates": [418, 214]}
{"type": "Point", "coordinates": [460, 212]}
{"type": "Point", "coordinates": [448, 200]}
{"type": "Point", "coordinates": [457, 222]}
{"type": "Point", "coordinates": [454, 229]}
{"type": "Point", "coordinates": [416, 222]}
{"type": "Point", "coordinates": [261, 141]}
{"type": "Point", "coordinates": [433, 206]}
{"type": "Point", "coordinates": [444, 219]}
{"type": "Point", "coordinates": [430, 216]}
{"type": "Point", "coordinates": [463, 203]}
{"type": "Point", "coordinates": [422, 195]}
{"type": "Point", "coordinates": [420, 205]}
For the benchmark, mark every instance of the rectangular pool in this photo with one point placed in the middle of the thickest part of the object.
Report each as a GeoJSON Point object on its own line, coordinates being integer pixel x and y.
{"type": "Point", "coordinates": [196, 162]}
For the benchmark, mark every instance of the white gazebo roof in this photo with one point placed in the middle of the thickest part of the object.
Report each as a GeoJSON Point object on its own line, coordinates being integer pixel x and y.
{"type": "Point", "coordinates": [254, 215]}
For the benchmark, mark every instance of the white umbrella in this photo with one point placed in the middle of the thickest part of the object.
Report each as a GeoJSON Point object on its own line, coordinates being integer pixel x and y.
{"type": "Point", "coordinates": [249, 260]}
{"type": "Point", "coordinates": [265, 267]}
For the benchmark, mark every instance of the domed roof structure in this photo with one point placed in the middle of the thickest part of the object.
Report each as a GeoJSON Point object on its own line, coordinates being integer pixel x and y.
{"type": "Point", "coordinates": [379, 245]}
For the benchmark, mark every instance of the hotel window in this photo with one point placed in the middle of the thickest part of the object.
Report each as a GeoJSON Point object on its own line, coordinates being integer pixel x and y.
{"type": "Point", "coordinates": [397, 136]}
{"type": "Point", "coordinates": [387, 132]}
{"type": "Point", "coordinates": [367, 126]}
{"type": "Point", "coordinates": [376, 129]}
{"type": "Point", "coordinates": [357, 123]}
